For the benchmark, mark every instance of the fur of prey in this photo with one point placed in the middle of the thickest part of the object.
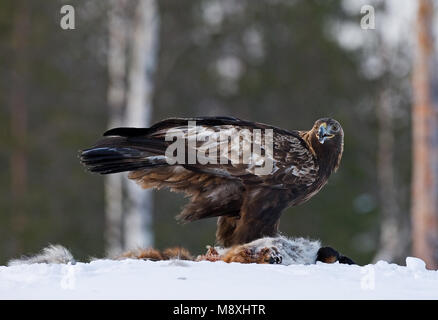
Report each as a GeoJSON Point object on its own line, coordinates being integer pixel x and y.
{"type": "Point", "coordinates": [51, 254]}
{"type": "Point", "coordinates": [269, 250]}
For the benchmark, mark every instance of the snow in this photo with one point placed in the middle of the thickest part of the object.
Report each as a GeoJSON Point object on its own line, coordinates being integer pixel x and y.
{"type": "Point", "coordinates": [175, 279]}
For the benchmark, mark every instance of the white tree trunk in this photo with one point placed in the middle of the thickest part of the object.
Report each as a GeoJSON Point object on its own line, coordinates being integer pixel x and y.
{"type": "Point", "coordinates": [117, 48]}
{"type": "Point", "coordinates": [138, 215]}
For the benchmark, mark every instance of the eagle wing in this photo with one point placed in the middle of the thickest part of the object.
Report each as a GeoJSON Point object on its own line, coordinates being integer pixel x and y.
{"type": "Point", "coordinates": [216, 187]}
{"type": "Point", "coordinates": [235, 149]}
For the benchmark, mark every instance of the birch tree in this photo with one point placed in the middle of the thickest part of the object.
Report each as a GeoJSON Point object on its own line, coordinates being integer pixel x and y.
{"type": "Point", "coordinates": [117, 50]}
{"type": "Point", "coordinates": [138, 220]}
{"type": "Point", "coordinates": [133, 38]}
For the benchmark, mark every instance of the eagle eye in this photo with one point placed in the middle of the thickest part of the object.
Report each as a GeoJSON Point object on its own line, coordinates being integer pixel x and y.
{"type": "Point", "coordinates": [335, 128]}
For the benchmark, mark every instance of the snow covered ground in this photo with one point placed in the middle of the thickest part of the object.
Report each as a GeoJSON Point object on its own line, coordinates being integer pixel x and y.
{"type": "Point", "coordinates": [136, 279]}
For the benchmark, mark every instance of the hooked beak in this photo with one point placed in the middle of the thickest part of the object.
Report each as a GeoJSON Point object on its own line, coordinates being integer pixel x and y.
{"type": "Point", "coordinates": [324, 133]}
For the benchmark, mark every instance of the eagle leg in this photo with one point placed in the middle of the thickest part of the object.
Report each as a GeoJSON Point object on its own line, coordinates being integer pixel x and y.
{"type": "Point", "coordinates": [259, 217]}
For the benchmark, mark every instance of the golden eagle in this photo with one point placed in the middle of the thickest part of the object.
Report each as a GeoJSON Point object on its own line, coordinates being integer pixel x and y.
{"type": "Point", "coordinates": [246, 173]}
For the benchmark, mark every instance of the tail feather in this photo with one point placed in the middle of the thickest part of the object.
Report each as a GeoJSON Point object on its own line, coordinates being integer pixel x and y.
{"type": "Point", "coordinates": [119, 154]}
{"type": "Point", "coordinates": [127, 149]}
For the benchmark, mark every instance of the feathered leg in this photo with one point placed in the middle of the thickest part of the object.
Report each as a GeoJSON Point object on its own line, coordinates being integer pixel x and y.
{"type": "Point", "coordinates": [258, 218]}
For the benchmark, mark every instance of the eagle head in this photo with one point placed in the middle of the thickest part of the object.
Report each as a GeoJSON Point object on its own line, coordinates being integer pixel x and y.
{"type": "Point", "coordinates": [327, 140]}
{"type": "Point", "coordinates": [328, 130]}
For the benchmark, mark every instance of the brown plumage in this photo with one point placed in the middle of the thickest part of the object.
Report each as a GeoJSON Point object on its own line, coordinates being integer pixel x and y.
{"type": "Point", "coordinates": [248, 200]}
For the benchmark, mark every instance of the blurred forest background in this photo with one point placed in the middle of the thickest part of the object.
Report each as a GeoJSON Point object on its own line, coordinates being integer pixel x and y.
{"type": "Point", "coordinates": [282, 62]}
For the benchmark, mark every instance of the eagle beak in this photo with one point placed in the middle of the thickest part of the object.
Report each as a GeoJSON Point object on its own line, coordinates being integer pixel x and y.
{"type": "Point", "coordinates": [324, 133]}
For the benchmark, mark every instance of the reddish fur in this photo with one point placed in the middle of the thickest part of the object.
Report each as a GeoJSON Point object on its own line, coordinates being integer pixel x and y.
{"type": "Point", "coordinates": [212, 255]}
{"type": "Point", "coordinates": [142, 254]}
{"type": "Point", "coordinates": [240, 254]}
{"type": "Point", "coordinates": [177, 253]}
{"type": "Point", "coordinates": [243, 254]}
